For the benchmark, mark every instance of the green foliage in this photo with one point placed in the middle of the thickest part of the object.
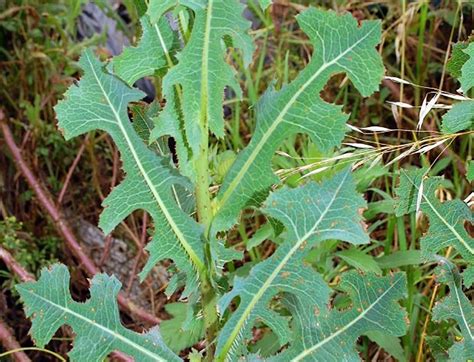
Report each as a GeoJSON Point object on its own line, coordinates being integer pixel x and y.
{"type": "Point", "coordinates": [296, 108]}
{"type": "Point", "coordinates": [151, 54]}
{"type": "Point", "coordinates": [178, 333]}
{"type": "Point", "coordinates": [283, 293]}
{"type": "Point", "coordinates": [323, 334]}
{"type": "Point", "coordinates": [100, 102]}
{"type": "Point", "coordinates": [447, 218]}
{"type": "Point", "coordinates": [96, 323]}
{"type": "Point", "coordinates": [461, 116]}
{"type": "Point", "coordinates": [31, 255]}
{"type": "Point", "coordinates": [458, 307]}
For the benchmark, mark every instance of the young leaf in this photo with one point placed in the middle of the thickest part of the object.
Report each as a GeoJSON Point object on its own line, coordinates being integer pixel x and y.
{"type": "Point", "coordinates": [96, 323]}
{"type": "Point", "coordinates": [446, 218]}
{"type": "Point", "coordinates": [461, 116]}
{"type": "Point", "coordinates": [340, 45]}
{"type": "Point", "coordinates": [330, 335]}
{"type": "Point", "coordinates": [202, 71]}
{"type": "Point", "coordinates": [100, 102]}
{"type": "Point", "coordinates": [360, 260]}
{"type": "Point", "coordinates": [150, 54]}
{"type": "Point", "coordinates": [458, 307]}
{"type": "Point", "coordinates": [311, 214]}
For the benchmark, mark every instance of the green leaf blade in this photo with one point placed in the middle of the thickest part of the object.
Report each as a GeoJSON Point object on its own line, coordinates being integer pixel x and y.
{"type": "Point", "coordinates": [340, 46]}
{"type": "Point", "coordinates": [467, 70]}
{"type": "Point", "coordinates": [458, 307]}
{"type": "Point", "coordinates": [446, 218]}
{"type": "Point", "coordinates": [201, 71]}
{"type": "Point", "coordinates": [311, 214]}
{"type": "Point", "coordinates": [331, 334]}
{"type": "Point", "coordinates": [96, 323]}
{"type": "Point", "coordinates": [100, 102]}
{"type": "Point", "coordinates": [151, 53]}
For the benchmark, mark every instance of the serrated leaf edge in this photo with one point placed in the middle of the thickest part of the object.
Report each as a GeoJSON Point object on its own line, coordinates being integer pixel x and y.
{"type": "Point", "coordinates": [243, 319]}
{"type": "Point", "coordinates": [194, 257]}
{"type": "Point", "coordinates": [91, 322]}
{"type": "Point", "coordinates": [282, 114]}
{"type": "Point", "coordinates": [313, 348]}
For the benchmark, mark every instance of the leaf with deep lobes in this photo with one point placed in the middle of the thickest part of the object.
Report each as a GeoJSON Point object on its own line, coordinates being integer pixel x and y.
{"type": "Point", "coordinates": [340, 45]}
{"type": "Point", "coordinates": [330, 335]}
{"type": "Point", "coordinates": [96, 323]}
{"type": "Point", "coordinates": [311, 214]}
{"type": "Point", "coordinates": [202, 72]}
{"type": "Point", "coordinates": [458, 307]}
{"type": "Point", "coordinates": [100, 101]}
{"type": "Point", "coordinates": [446, 218]}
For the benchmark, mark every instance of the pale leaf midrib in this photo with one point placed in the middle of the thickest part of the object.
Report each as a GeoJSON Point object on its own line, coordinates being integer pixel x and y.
{"type": "Point", "coordinates": [447, 224]}
{"type": "Point", "coordinates": [458, 300]}
{"type": "Point", "coordinates": [241, 322]}
{"type": "Point", "coordinates": [199, 264]}
{"type": "Point", "coordinates": [280, 117]}
{"type": "Point", "coordinates": [97, 325]}
{"type": "Point", "coordinates": [313, 348]}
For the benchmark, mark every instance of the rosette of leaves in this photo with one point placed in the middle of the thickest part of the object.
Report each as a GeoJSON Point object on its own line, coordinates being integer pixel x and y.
{"type": "Point", "coordinates": [282, 292]}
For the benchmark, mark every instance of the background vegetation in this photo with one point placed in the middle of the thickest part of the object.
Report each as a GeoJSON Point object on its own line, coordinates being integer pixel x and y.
{"type": "Point", "coordinates": [62, 183]}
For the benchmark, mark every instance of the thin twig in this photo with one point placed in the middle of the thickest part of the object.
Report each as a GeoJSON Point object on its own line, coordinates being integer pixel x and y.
{"type": "Point", "coordinates": [139, 254]}
{"type": "Point", "coordinates": [9, 342]}
{"type": "Point", "coordinates": [60, 222]}
{"type": "Point", "coordinates": [71, 170]}
{"type": "Point", "coordinates": [14, 266]}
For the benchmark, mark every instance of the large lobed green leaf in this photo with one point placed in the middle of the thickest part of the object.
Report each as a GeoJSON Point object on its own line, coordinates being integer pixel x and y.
{"type": "Point", "coordinates": [330, 335]}
{"type": "Point", "coordinates": [100, 101]}
{"type": "Point", "coordinates": [96, 323]}
{"type": "Point", "coordinates": [446, 218]}
{"type": "Point", "coordinates": [310, 214]}
{"type": "Point", "coordinates": [340, 45]}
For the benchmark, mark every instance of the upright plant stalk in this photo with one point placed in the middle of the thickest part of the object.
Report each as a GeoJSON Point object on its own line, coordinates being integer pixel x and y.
{"type": "Point", "coordinates": [203, 199]}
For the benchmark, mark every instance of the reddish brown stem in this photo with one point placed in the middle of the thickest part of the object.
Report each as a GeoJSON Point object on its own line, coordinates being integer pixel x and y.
{"type": "Point", "coordinates": [9, 342]}
{"type": "Point", "coordinates": [60, 223]}
{"type": "Point", "coordinates": [14, 266]}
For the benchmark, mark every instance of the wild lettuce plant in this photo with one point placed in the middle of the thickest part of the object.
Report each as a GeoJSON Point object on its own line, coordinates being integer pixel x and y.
{"type": "Point", "coordinates": [190, 225]}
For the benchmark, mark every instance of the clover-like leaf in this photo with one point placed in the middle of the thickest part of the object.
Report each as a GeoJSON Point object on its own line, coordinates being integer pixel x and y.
{"type": "Point", "coordinates": [340, 45]}
{"type": "Point", "coordinates": [311, 214]}
{"type": "Point", "coordinates": [96, 323]}
{"type": "Point", "coordinates": [100, 101]}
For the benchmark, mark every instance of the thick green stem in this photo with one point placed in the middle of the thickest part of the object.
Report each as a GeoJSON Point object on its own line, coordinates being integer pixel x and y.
{"type": "Point", "coordinates": [203, 201]}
